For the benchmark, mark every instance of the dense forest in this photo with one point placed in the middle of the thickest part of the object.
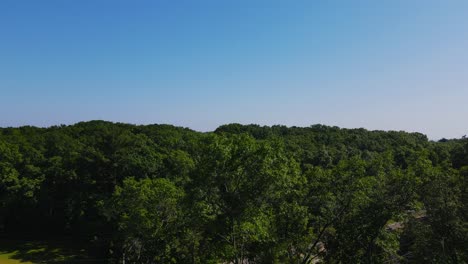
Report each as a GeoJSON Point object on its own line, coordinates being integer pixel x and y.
{"type": "Point", "coordinates": [239, 194]}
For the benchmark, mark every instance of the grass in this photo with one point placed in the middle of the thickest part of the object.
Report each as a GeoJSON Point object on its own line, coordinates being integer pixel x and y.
{"type": "Point", "coordinates": [7, 258]}
{"type": "Point", "coordinates": [38, 252]}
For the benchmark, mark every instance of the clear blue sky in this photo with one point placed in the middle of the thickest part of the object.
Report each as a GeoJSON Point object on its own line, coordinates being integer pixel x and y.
{"type": "Point", "coordinates": [391, 65]}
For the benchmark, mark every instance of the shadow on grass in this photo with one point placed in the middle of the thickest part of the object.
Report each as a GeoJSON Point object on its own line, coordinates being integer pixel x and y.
{"type": "Point", "coordinates": [53, 252]}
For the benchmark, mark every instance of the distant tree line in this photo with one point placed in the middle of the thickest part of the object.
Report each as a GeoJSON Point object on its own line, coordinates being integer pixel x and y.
{"type": "Point", "coordinates": [240, 194]}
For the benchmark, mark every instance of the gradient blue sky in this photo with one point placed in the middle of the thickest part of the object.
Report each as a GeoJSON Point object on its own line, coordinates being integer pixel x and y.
{"type": "Point", "coordinates": [390, 65]}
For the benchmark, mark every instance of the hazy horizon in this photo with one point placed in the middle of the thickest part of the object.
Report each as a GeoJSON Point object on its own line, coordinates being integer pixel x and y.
{"type": "Point", "coordinates": [393, 65]}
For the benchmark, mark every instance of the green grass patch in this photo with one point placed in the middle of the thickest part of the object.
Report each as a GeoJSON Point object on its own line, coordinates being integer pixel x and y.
{"type": "Point", "coordinates": [8, 258]}
{"type": "Point", "coordinates": [38, 252]}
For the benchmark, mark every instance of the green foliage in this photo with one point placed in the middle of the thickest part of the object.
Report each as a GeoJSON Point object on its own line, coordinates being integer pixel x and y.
{"type": "Point", "coordinates": [164, 194]}
{"type": "Point", "coordinates": [148, 218]}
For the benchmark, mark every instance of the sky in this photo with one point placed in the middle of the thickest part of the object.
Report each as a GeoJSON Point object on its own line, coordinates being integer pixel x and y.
{"type": "Point", "coordinates": [381, 65]}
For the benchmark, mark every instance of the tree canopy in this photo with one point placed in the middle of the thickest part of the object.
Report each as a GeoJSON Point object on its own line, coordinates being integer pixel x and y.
{"type": "Point", "coordinates": [239, 194]}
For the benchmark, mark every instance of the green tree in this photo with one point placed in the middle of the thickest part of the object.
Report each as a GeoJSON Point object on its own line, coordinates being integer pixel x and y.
{"type": "Point", "coordinates": [147, 215]}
